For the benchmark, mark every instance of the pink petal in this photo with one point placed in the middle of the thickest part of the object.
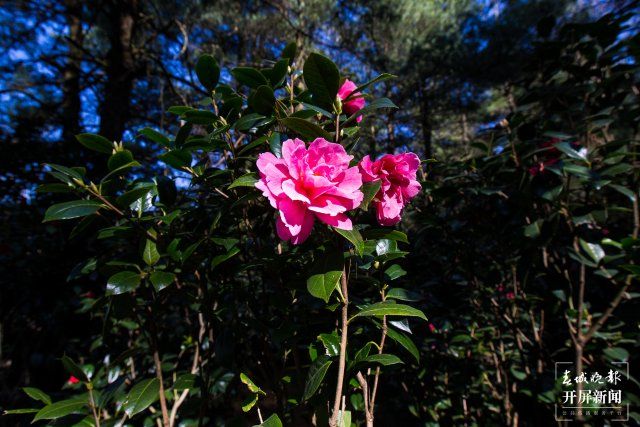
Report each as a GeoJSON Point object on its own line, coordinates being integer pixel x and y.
{"type": "Point", "coordinates": [340, 221]}
{"type": "Point", "coordinates": [328, 205]}
{"type": "Point", "coordinates": [289, 188]}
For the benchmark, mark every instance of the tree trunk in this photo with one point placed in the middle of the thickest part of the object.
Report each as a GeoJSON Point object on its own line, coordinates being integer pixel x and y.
{"type": "Point", "coordinates": [121, 70]}
{"type": "Point", "coordinates": [425, 121]}
{"type": "Point", "coordinates": [71, 74]}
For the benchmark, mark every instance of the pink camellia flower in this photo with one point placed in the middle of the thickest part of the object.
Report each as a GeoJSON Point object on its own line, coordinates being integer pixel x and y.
{"type": "Point", "coordinates": [355, 103]}
{"type": "Point", "coordinates": [397, 174]}
{"type": "Point", "coordinates": [308, 183]}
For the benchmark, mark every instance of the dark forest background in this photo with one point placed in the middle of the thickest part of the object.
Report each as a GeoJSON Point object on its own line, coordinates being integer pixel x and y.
{"type": "Point", "coordinates": [481, 86]}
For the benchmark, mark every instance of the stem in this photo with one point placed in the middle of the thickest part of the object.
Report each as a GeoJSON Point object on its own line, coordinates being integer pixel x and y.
{"type": "Point", "coordinates": [92, 403]}
{"type": "Point", "coordinates": [158, 366]}
{"type": "Point", "coordinates": [333, 422]}
{"type": "Point", "coordinates": [377, 374]}
{"type": "Point", "coordinates": [368, 413]}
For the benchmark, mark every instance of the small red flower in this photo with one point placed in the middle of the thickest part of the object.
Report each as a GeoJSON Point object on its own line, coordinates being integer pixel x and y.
{"type": "Point", "coordinates": [432, 327]}
{"type": "Point", "coordinates": [73, 380]}
{"type": "Point", "coordinates": [510, 295]}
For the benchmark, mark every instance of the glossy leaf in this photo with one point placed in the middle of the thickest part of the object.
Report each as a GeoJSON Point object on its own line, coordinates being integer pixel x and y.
{"type": "Point", "coordinates": [317, 372]}
{"type": "Point", "coordinates": [37, 394]}
{"type": "Point", "coordinates": [141, 396]}
{"type": "Point", "coordinates": [74, 369]}
{"type": "Point", "coordinates": [389, 309]}
{"type": "Point", "coordinates": [272, 421]}
{"type": "Point", "coordinates": [306, 129]}
{"type": "Point", "coordinates": [383, 359]}
{"type": "Point", "coordinates": [247, 180]}
{"type": "Point", "coordinates": [125, 281]}
{"type": "Point", "coordinates": [326, 274]}
{"type": "Point", "coordinates": [74, 209]}
{"type": "Point", "coordinates": [322, 78]}
{"type": "Point", "coordinates": [61, 409]}
{"type": "Point", "coordinates": [161, 279]}
{"type": "Point", "coordinates": [249, 76]}
{"type": "Point", "coordinates": [208, 72]}
{"type": "Point", "coordinates": [354, 237]}
{"type": "Point", "coordinates": [95, 142]}
{"type": "Point", "coordinates": [369, 189]}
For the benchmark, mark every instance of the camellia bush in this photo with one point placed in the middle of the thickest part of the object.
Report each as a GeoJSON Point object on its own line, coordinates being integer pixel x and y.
{"type": "Point", "coordinates": [248, 271]}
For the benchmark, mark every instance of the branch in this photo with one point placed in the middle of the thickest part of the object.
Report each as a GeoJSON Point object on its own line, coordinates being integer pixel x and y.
{"type": "Point", "coordinates": [333, 422]}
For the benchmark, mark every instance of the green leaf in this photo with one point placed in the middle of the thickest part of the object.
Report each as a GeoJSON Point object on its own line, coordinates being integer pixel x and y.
{"type": "Point", "coordinates": [371, 107]}
{"type": "Point", "coordinates": [263, 100]}
{"type": "Point", "coordinates": [322, 78]}
{"type": "Point", "coordinates": [247, 180]}
{"type": "Point", "coordinates": [61, 409]}
{"type": "Point", "coordinates": [119, 159]}
{"type": "Point", "coordinates": [208, 72]}
{"type": "Point", "coordinates": [402, 294]}
{"type": "Point", "coordinates": [21, 411]}
{"type": "Point", "coordinates": [519, 375]}
{"type": "Point", "coordinates": [617, 354]}
{"type": "Point", "coordinates": [382, 77]}
{"type": "Point", "coordinates": [405, 342]}
{"type": "Point", "coordinates": [369, 189]}
{"type": "Point", "coordinates": [249, 402]}
{"type": "Point", "coordinates": [74, 369]}
{"type": "Point", "coordinates": [55, 187]}
{"type": "Point", "coordinates": [249, 76]}
{"type": "Point", "coordinates": [383, 359]}
{"type": "Point", "coordinates": [122, 282]}
{"type": "Point", "coordinates": [141, 396]}
{"type": "Point", "coordinates": [119, 170]}
{"type": "Point", "coordinates": [95, 142]}
{"type": "Point", "coordinates": [178, 109]}
{"type": "Point", "coordinates": [176, 158]}
{"type": "Point", "coordinates": [275, 144]}
{"type": "Point", "coordinates": [161, 279]}
{"type": "Point", "coordinates": [37, 394]}
{"type": "Point", "coordinates": [394, 272]}
{"type": "Point", "coordinates": [150, 254]}
{"type": "Point", "coordinates": [272, 421]}
{"type": "Point", "coordinates": [331, 343]}
{"type": "Point", "coordinates": [248, 121]}
{"type": "Point", "coordinates": [384, 233]}
{"type": "Point", "coordinates": [250, 384]}
{"type": "Point", "coordinates": [70, 172]}
{"type": "Point", "coordinates": [126, 199]}
{"type": "Point", "coordinates": [566, 148]}
{"type": "Point", "coordinates": [305, 128]}
{"type": "Point", "coordinates": [289, 52]}
{"type": "Point", "coordinates": [345, 419]}
{"type": "Point", "coordinates": [624, 190]}
{"type": "Point", "coordinates": [633, 269]}
{"type": "Point", "coordinates": [533, 230]}
{"type": "Point", "coordinates": [594, 250]}
{"type": "Point", "coordinates": [354, 237]}
{"type": "Point", "coordinates": [327, 271]}
{"type": "Point", "coordinates": [155, 136]}
{"type": "Point", "coordinates": [219, 259]}
{"type": "Point", "coordinates": [252, 145]}
{"type": "Point", "coordinates": [200, 117]}
{"type": "Point", "coordinates": [184, 382]}
{"type": "Point", "coordinates": [73, 209]}
{"type": "Point", "coordinates": [389, 309]}
{"type": "Point", "coordinates": [317, 371]}
{"type": "Point", "coordinates": [279, 72]}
